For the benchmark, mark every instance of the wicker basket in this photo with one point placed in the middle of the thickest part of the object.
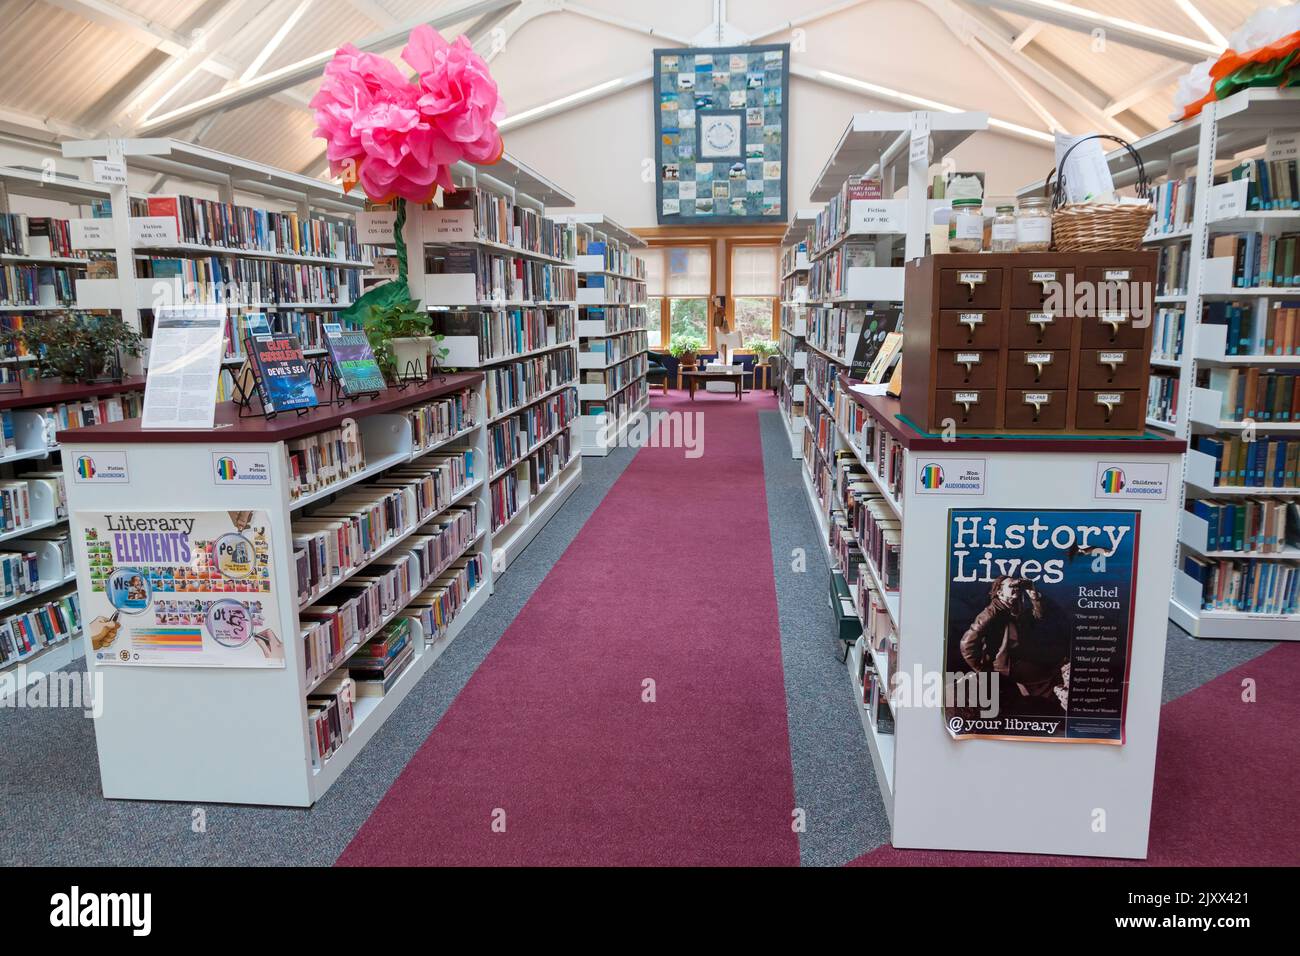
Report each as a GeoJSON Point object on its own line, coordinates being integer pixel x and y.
{"type": "Point", "coordinates": [1099, 227]}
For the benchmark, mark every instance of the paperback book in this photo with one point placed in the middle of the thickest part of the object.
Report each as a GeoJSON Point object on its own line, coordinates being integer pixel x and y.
{"type": "Point", "coordinates": [283, 378]}
{"type": "Point", "coordinates": [354, 362]}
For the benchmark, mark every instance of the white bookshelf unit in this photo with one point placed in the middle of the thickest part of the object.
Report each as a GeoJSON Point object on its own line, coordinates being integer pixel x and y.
{"type": "Point", "coordinates": [613, 345]}
{"type": "Point", "coordinates": [1223, 135]}
{"type": "Point", "coordinates": [157, 738]}
{"type": "Point", "coordinates": [794, 326]}
{"type": "Point", "coordinates": [525, 339]}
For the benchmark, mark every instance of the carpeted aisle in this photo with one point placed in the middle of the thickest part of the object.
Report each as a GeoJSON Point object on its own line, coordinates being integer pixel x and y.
{"type": "Point", "coordinates": [551, 755]}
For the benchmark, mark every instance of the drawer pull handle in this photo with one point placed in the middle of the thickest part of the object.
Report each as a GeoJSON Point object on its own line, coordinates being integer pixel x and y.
{"type": "Point", "coordinates": [1038, 400]}
{"type": "Point", "coordinates": [966, 400]}
{"type": "Point", "coordinates": [1114, 320]}
{"type": "Point", "coordinates": [971, 280]}
{"type": "Point", "coordinates": [1111, 401]}
{"type": "Point", "coordinates": [1041, 320]}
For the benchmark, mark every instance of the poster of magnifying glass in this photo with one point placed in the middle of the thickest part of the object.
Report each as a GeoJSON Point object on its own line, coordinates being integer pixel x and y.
{"type": "Point", "coordinates": [181, 589]}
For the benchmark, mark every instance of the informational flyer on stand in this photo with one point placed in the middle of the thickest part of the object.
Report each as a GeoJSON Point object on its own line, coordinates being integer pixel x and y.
{"type": "Point", "coordinates": [184, 364]}
{"type": "Point", "coordinates": [188, 589]}
{"type": "Point", "coordinates": [1040, 623]}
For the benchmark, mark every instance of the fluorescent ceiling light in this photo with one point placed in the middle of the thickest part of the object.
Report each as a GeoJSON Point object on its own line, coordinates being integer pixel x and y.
{"type": "Point", "coordinates": [1197, 17]}
{"type": "Point", "coordinates": [1104, 20]}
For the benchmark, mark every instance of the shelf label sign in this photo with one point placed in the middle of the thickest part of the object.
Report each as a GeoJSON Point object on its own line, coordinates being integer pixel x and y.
{"type": "Point", "coordinates": [950, 476]}
{"type": "Point", "coordinates": [153, 231]}
{"type": "Point", "coordinates": [241, 468]}
{"type": "Point", "coordinates": [879, 216]}
{"type": "Point", "coordinates": [449, 224]}
{"type": "Point", "coordinates": [108, 173]}
{"type": "Point", "coordinates": [101, 467]}
{"type": "Point", "coordinates": [92, 233]}
{"type": "Point", "coordinates": [1282, 146]}
{"type": "Point", "coordinates": [1131, 479]}
{"type": "Point", "coordinates": [1228, 200]}
{"type": "Point", "coordinates": [375, 228]}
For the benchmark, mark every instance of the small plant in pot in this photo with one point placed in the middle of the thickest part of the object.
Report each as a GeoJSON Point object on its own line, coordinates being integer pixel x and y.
{"type": "Point", "coordinates": [77, 347]}
{"type": "Point", "coordinates": [401, 336]}
{"type": "Point", "coordinates": [685, 348]}
{"type": "Point", "coordinates": [765, 349]}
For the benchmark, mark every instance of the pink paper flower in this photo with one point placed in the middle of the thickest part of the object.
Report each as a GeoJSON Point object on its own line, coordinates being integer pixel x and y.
{"type": "Point", "coordinates": [397, 137]}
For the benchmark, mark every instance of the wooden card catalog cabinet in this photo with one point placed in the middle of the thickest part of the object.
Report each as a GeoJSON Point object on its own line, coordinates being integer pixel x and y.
{"type": "Point", "coordinates": [1029, 342]}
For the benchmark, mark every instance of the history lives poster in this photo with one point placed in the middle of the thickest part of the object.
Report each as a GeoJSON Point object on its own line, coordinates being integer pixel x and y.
{"type": "Point", "coordinates": [1040, 619]}
{"type": "Point", "coordinates": [189, 589]}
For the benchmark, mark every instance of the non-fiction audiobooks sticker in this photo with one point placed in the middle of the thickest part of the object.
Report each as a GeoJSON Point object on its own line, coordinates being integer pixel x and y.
{"type": "Point", "coordinates": [1131, 479]}
{"type": "Point", "coordinates": [950, 476]}
{"type": "Point", "coordinates": [241, 468]}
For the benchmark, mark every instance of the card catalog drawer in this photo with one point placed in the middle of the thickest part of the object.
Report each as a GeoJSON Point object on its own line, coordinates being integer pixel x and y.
{"type": "Point", "coordinates": [1030, 287]}
{"type": "Point", "coordinates": [1113, 330]}
{"type": "Point", "coordinates": [1120, 409]}
{"type": "Point", "coordinates": [1031, 408]}
{"type": "Point", "coordinates": [973, 288]}
{"type": "Point", "coordinates": [1038, 368]}
{"type": "Point", "coordinates": [1038, 329]}
{"type": "Point", "coordinates": [967, 369]}
{"type": "Point", "coordinates": [1112, 368]}
{"type": "Point", "coordinates": [970, 408]}
{"type": "Point", "coordinates": [970, 329]}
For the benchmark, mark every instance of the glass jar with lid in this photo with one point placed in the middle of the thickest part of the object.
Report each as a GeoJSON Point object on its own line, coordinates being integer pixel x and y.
{"type": "Point", "coordinates": [966, 228]}
{"type": "Point", "coordinates": [1034, 225]}
{"type": "Point", "coordinates": [1003, 236]}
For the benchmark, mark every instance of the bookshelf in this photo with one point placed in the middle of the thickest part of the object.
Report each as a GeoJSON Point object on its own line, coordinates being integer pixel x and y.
{"type": "Point", "coordinates": [424, 447]}
{"type": "Point", "coordinates": [613, 345]}
{"type": "Point", "coordinates": [1193, 227]}
{"type": "Point", "coordinates": [888, 534]}
{"type": "Point", "coordinates": [499, 275]}
{"type": "Point", "coordinates": [794, 325]}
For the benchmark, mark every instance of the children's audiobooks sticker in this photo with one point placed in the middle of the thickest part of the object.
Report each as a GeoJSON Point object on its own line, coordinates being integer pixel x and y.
{"type": "Point", "coordinates": [181, 589]}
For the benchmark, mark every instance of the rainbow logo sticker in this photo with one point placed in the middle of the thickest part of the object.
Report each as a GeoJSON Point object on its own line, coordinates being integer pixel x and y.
{"type": "Point", "coordinates": [85, 467]}
{"type": "Point", "coordinates": [1112, 481]}
{"type": "Point", "coordinates": [931, 476]}
{"type": "Point", "coordinates": [226, 469]}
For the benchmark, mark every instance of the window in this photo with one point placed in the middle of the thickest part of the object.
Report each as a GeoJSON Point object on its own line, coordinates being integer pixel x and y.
{"type": "Point", "coordinates": [654, 322]}
{"type": "Point", "coordinates": [754, 290]}
{"type": "Point", "coordinates": [679, 280]}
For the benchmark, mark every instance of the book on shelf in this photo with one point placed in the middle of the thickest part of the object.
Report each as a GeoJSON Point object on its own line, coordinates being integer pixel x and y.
{"type": "Point", "coordinates": [1272, 184]}
{"type": "Point", "coordinates": [331, 717]}
{"type": "Point", "coordinates": [1266, 525]}
{"type": "Point", "coordinates": [1167, 333]}
{"type": "Point", "coordinates": [245, 229]}
{"type": "Point", "coordinates": [438, 605]}
{"type": "Point", "coordinates": [1162, 398]}
{"type": "Point", "coordinates": [38, 627]}
{"type": "Point", "coordinates": [1254, 328]}
{"type": "Point", "coordinates": [283, 378]}
{"type": "Point", "coordinates": [1173, 202]}
{"type": "Point", "coordinates": [314, 462]}
{"type": "Point", "coordinates": [1252, 586]}
{"type": "Point", "coordinates": [1266, 462]}
{"type": "Point", "coordinates": [354, 361]}
{"type": "Point", "coordinates": [381, 661]}
{"type": "Point", "coordinates": [1261, 396]}
{"type": "Point", "coordinates": [877, 327]}
{"type": "Point", "coordinates": [1260, 258]}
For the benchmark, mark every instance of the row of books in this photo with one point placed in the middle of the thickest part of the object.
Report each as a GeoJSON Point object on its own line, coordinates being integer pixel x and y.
{"type": "Point", "coordinates": [1173, 264]}
{"type": "Point", "coordinates": [1256, 329]}
{"type": "Point", "coordinates": [92, 411]}
{"type": "Point", "coordinates": [875, 528]}
{"type": "Point", "coordinates": [516, 384]}
{"type": "Point", "coordinates": [833, 220]}
{"type": "Point", "coordinates": [618, 405]}
{"type": "Point", "coordinates": [337, 539]}
{"type": "Point", "coordinates": [53, 236]}
{"type": "Point", "coordinates": [877, 628]}
{"type": "Point", "coordinates": [834, 330]}
{"type": "Point", "coordinates": [243, 228]}
{"type": "Point", "coordinates": [439, 420]}
{"type": "Point", "coordinates": [790, 256]}
{"type": "Point", "coordinates": [615, 318]}
{"type": "Point", "coordinates": [437, 607]}
{"type": "Point", "coordinates": [617, 376]}
{"type": "Point", "coordinates": [1260, 258]}
{"type": "Point", "coordinates": [1265, 462]}
{"type": "Point", "coordinates": [1168, 329]}
{"type": "Point", "coordinates": [39, 627]}
{"type": "Point", "coordinates": [22, 286]}
{"type": "Point", "coordinates": [331, 717]}
{"type": "Point", "coordinates": [19, 571]}
{"type": "Point", "coordinates": [1162, 399]}
{"type": "Point", "coordinates": [1259, 396]}
{"type": "Point", "coordinates": [314, 462]}
{"type": "Point", "coordinates": [545, 464]}
{"type": "Point", "coordinates": [510, 439]}
{"type": "Point", "coordinates": [882, 452]}
{"type": "Point", "coordinates": [506, 332]}
{"type": "Point", "coordinates": [1265, 525]}
{"type": "Point", "coordinates": [618, 258]}
{"type": "Point", "coordinates": [379, 663]}
{"type": "Point", "coordinates": [1254, 587]}
{"type": "Point", "coordinates": [1272, 184]}
{"type": "Point", "coordinates": [499, 219]}
{"type": "Point", "coordinates": [1174, 201]}
{"type": "Point", "coordinates": [829, 276]}
{"type": "Point", "coordinates": [821, 376]}
{"type": "Point", "coordinates": [17, 496]}
{"type": "Point", "coordinates": [614, 348]}
{"type": "Point", "coordinates": [504, 278]}
{"type": "Point", "coordinates": [617, 289]}
{"type": "Point", "coordinates": [214, 280]}
{"type": "Point", "coordinates": [507, 498]}
{"type": "Point", "coordinates": [307, 327]}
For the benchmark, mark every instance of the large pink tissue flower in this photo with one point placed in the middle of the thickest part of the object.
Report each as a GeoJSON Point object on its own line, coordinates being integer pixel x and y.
{"type": "Point", "coordinates": [397, 137]}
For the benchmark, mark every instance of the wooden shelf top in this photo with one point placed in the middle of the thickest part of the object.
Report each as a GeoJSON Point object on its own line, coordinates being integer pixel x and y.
{"type": "Point", "coordinates": [231, 429]}
{"type": "Point", "coordinates": [888, 412]}
{"type": "Point", "coordinates": [53, 391]}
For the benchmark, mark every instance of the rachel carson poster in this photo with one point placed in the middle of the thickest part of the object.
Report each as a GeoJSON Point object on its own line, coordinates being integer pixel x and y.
{"type": "Point", "coordinates": [1040, 605]}
{"type": "Point", "coordinates": [181, 589]}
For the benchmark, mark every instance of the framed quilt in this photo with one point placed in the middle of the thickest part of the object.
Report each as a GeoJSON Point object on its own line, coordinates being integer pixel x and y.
{"type": "Point", "coordinates": [721, 130]}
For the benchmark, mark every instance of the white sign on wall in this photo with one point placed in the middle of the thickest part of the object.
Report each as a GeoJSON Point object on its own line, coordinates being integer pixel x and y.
{"type": "Point", "coordinates": [153, 231]}
{"type": "Point", "coordinates": [950, 476]}
{"type": "Point", "coordinates": [1131, 479]}
{"type": "Point", "coordinates": [376, 228]}
{"type": "Point", "coordinates": [108, 173]}
{"type": "Point", "coordinates": [449, 224]}
{"type": "Point", "coordinates": [92, 233]}
{"type": "Point", "coordinates": [100, 467]}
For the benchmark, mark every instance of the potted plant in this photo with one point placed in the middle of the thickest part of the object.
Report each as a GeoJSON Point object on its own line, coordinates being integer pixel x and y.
{"type": "Point", "coordinates": [401, 336]}
{"type": "Point", "coordinates": [78, 347]}
{"type": "Point", "coordinates": [765, 349]}
{"type": "Point", "coordinates": [686, 348]}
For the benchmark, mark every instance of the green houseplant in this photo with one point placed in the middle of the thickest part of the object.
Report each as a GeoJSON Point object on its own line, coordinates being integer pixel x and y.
{"type": "Point", "coordinates": [685, 347]}
{"type": "Point", "coordinates": [401, 333]}
{"type": "Point", "coordinates": [77, 347]}
{"type": "Point", "coordinates": [764, 349]}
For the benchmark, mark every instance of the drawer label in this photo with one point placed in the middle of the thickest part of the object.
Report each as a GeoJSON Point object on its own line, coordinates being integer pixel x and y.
{"type": "Point", "coordinates": [971, 318]}
{"type": "Point", "coordinates": [1038, 358]}
{"type": "Point", "coordinates": [966, 398]}
{"type": "Point", "coordinates": [1043, 275]}
{"type": "Point", "coordinates": [1114, 318]}
{"type": "Point", "coordinates": [968, 358]}
{"type": "Point", "coordinates": [1038, 398]}
{"type": "Point", "coordinates": [1041, 318]}
{"type": "Point", "coordinates": [1131, 479]}
{"type": "Point", "coordinates": [972, 278]}
{"type": "Point", "coordinates": [950, 476]}
{"type": "Point", "coordinates": [1110, 399]}
{"type": "Point", "coordinates": [1111, 358]}
{"type": "Point", "coordinates": [1118, 275]}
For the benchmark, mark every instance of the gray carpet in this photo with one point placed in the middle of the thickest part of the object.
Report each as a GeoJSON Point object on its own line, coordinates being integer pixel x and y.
{"type": "Point", "coordinates": [52, 812]}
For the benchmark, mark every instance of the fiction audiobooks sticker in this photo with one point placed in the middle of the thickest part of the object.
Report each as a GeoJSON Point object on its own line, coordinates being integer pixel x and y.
{"type": "Point", "coordinates": [1040, 606]}
{"type": "Point", "coordinates": [182, 589]}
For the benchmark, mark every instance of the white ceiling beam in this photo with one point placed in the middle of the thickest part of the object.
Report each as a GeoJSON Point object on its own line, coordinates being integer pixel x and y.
{"type": "Point", "coordinates": [997, 66]}
{"type": "Point", "coordinates": [273, 44]}
{"type": "Point", "coordinates": [1027, 35]}
{"type": "Point", "coordinates": [636, 26]}
{"type": "Point", "coordinates": [1160, 81]}
{"type": "Point", "coordinates": [1202, 22]}
{"type": "Point", "coordinates": [293, 74]}
{"type": "Point", "coordinates": [138, 28]}
{"type": "Point", "coordinates": [1116, 29]}
{"type": "Point", "coordinates": [573, 100]}
{"type": "Point", "coordinates": [802, 21]}
{"type": "Point", "coordinates": [1063, 83]}
{"type": "Point", "coordinates": [40, 128]}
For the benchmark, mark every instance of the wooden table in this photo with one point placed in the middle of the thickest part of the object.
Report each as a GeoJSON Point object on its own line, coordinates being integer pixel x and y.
{"type": "Point", "coordinates": [694, 376]}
